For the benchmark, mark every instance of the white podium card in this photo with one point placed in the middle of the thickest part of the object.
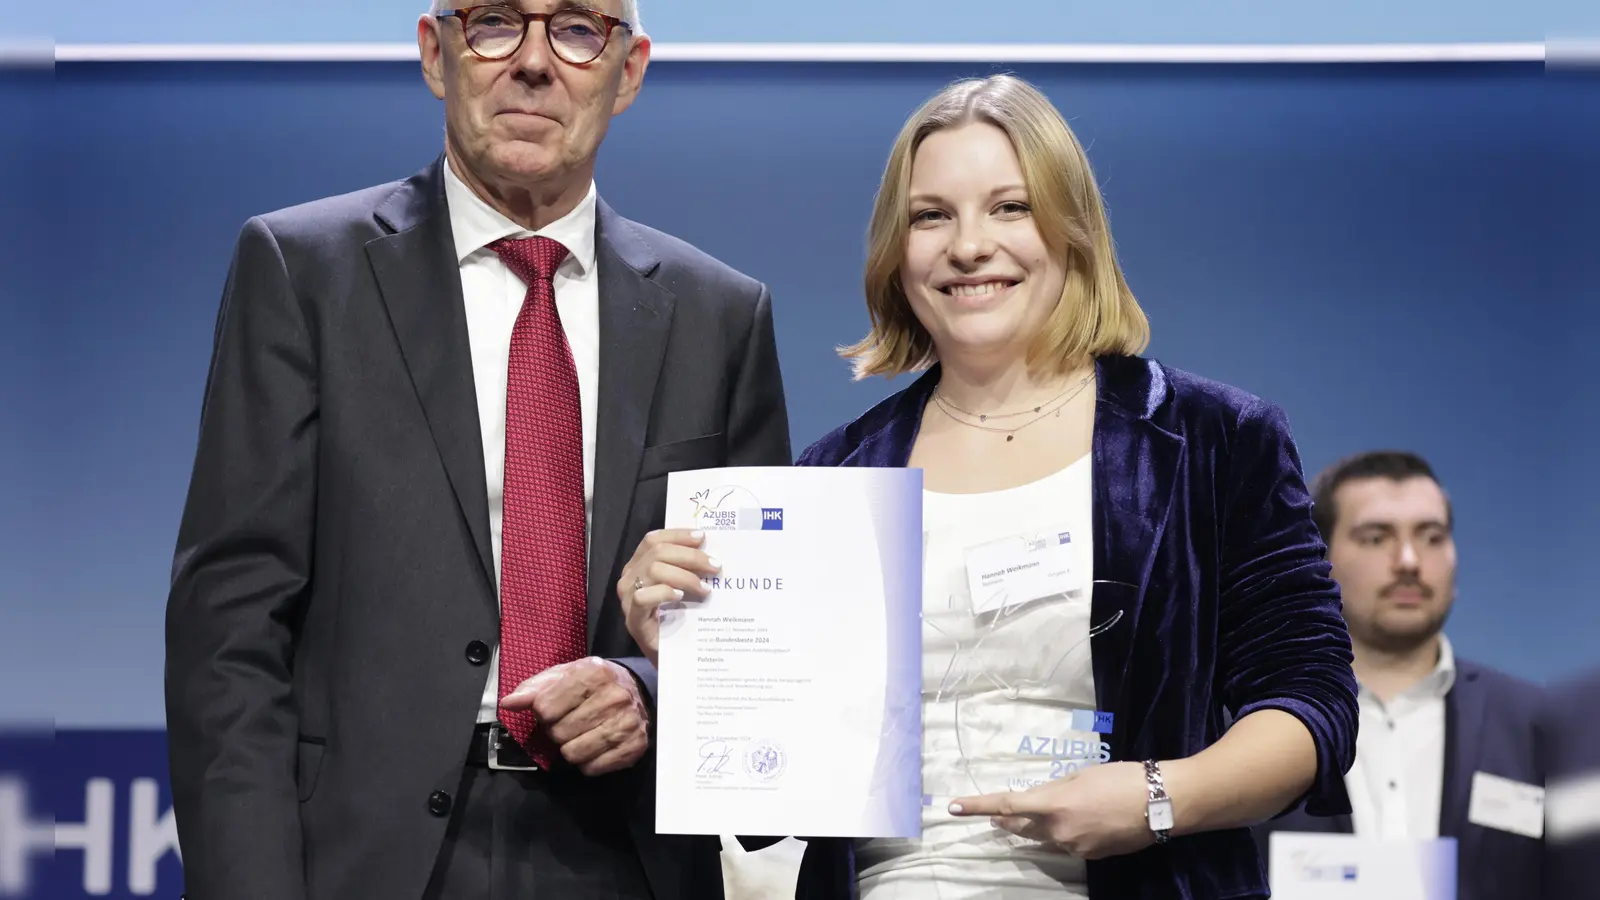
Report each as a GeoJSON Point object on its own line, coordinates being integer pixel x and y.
{"type": "Point", "coordinates": [1306, 866]}
{"type": "Point", "coordinates": [789, 701]}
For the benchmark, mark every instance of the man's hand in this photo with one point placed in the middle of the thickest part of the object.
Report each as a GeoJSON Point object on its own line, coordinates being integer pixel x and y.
{"type": "Point", "coordinates": [592, 710]}
{"type": "Point", "coordinates": [665, 568]}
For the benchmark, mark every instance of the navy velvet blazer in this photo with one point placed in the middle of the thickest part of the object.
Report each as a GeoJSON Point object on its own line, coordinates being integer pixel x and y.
{"type": "Point", "coordinates": [1490, 726]}
{"type": "Point", "coordinates": [1204, 544]}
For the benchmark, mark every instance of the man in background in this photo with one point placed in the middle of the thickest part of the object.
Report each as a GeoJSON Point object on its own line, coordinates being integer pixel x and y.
{"type": "Point", "coordinates": [1446, 746]}
{"type": "Point", "coordinates": [438, 421]}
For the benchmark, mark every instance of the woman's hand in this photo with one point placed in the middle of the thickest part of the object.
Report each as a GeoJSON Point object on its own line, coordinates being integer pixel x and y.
{"type": "Point", "coordinates": [1092, 813]}
{"type": "Point", "coordinates": [666, 567]}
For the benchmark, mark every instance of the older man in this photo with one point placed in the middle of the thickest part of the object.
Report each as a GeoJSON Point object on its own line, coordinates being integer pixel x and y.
{"type": "Point", "coordinates": [438, 420]}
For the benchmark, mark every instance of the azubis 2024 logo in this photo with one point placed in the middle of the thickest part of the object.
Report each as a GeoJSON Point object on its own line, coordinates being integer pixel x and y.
{"type": "Point", "coordinates": [734, 508]}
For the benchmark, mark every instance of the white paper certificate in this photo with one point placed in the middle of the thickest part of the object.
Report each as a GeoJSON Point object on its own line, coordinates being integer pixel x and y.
{"type": "Point", "coordinates": [789, 701]}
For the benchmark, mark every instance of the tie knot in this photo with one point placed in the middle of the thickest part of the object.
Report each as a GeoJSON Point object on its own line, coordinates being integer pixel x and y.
{"type": "Point", "coordinates": [532, 259]}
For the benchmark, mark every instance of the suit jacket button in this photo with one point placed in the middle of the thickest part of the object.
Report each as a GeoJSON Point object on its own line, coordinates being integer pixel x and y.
{"type": "Point", "coordinates": [439, 803]}
{"type": "Point", "coordinates": [477, 653]}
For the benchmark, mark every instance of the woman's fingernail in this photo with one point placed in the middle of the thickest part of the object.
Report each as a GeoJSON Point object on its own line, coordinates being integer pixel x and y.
{"type": "Point", "coordinates": [697, 535]}
{"type": "Point", "coordinates": [677, 594]}
{"type": "Point", "coordinates": [955, 809]}
{"type": "Point", "coordinates": [713, 561]}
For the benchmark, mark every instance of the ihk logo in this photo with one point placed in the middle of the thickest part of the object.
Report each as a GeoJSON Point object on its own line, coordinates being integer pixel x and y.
{"type": "Point", "coordinates": [151, 835]}
{"type": "Point", "coordinates": [87, 813]}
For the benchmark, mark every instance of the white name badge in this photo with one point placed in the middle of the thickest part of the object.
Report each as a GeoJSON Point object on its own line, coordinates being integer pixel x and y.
{"type": "Point", "coordinates": [1506, 805]}
{"type": "Point", "coordinates": [1018, 569]}
{"type": "Point", "coordinates": [1305, 866]}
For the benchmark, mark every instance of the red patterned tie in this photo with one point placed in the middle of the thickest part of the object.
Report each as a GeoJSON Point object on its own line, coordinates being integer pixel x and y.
{"type": "Point", "coordinates": [542, 569]}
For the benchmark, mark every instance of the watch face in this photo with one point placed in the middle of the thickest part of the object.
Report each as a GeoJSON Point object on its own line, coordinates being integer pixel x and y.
{"type": "Point", "coordinates": [1160, 815]}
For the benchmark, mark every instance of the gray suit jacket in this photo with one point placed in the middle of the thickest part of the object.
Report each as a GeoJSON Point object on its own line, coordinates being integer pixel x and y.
{"type": "Point", "coordinates": [333, 563]}
{"type": "Point", "coordinates": [1490, 726]}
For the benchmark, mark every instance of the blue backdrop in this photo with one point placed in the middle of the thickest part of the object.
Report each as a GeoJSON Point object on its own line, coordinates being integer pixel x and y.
{"type": "Point", "coordinates": [1391, 253]}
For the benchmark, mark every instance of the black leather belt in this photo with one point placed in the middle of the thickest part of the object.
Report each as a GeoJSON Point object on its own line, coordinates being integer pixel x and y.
{"type": "Point", "coordinates": [494, 748]}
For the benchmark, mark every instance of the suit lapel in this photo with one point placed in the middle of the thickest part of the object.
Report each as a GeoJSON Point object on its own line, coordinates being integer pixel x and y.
{"type": "Point", "coordinates": [418, 277]}
{"type": "Point", "coordinates": [1136, 469]}
{"type": "Point", "coordinates": [416, 271]}
{"type": "Point", "coordinates": [635, 320]}
{"type": "Point", "coordinates": [1463, 745]}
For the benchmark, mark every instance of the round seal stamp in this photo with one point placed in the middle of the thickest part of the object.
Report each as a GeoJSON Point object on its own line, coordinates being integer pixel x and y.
{"type": "Point", "coordinates": [764, 761]}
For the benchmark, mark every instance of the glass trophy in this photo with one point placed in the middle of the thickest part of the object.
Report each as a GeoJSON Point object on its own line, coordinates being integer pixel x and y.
{"type": "Point", "coordinates": [1009, 701]}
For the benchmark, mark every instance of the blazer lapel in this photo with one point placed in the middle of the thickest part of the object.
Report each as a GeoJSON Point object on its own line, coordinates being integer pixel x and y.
{"type": "Point", "coordinates": [889, 445]}
{"type": "Point", "coordinates": [635, 320]}
{"type": "Point", "coordinates": [418, 277]}
{"type": "Point", "coordinates": [1136, 468]}
{"type": "Point", "coordinates": [1463, 745]}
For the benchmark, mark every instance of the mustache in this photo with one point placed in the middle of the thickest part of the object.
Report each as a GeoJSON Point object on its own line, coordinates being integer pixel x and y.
{"type": "Point", "coordinates": [1415, 584]}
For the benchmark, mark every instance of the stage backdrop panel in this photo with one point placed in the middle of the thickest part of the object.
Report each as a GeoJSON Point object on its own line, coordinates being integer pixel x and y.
{"type": "Point", "coordinates": [29, 413]}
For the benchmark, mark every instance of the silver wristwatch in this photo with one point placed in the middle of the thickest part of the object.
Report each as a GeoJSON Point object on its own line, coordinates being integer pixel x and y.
{"type": "Point", "coordinates": [1158, 811]}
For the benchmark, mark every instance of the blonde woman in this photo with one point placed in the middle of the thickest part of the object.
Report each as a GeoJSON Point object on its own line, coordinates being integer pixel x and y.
{"type": "Point", "coordinates": [1196, 620]}
{"type": "Point", "coordinates": [1170, 666]}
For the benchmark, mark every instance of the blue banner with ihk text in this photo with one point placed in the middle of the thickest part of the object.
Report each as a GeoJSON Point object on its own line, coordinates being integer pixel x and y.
{"type": "Point", "coordinates": [100, 801]}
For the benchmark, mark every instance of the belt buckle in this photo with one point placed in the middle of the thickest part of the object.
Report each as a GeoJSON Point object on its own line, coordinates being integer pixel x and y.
{"type": "Point", "coordinates": [497, 732]}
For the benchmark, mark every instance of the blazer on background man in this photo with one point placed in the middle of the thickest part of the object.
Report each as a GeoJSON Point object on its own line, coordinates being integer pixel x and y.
{"type": "Point", "coordinates": [1431, 722]}
{"type": "Point", "coordinates": [439, 418]}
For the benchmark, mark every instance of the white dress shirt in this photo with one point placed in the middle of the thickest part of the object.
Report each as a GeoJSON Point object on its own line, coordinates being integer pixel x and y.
{"type": "Point", "coordinates": [493, 296]}
{"type": "Point", "coordinates": [1398, 777]}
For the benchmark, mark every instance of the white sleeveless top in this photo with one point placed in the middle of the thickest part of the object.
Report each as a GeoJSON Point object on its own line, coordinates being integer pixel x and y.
{"type": "Point", "coordinates": [1007, 697]}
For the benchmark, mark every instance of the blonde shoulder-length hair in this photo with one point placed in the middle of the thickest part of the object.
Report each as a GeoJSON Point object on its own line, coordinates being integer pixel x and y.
{"type": "Point", "coordinates": [1097, 314]}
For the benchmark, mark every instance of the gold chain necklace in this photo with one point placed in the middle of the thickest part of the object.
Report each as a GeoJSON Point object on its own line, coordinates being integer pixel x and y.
{"type": "Point", "coordinates": [1042, 411]}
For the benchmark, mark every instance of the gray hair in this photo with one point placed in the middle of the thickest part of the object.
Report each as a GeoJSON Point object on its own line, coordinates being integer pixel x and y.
{"type": "Point", "coordinates": [630, 13]}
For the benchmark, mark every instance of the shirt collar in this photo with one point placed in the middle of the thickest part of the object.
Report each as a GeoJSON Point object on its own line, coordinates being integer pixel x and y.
{"type": "Point", "coordinates": [1437, 683]}
{"type": "Point", "coordinates": [1443, 677]}
{"type": "Point", "coordinates": [475, 224]}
